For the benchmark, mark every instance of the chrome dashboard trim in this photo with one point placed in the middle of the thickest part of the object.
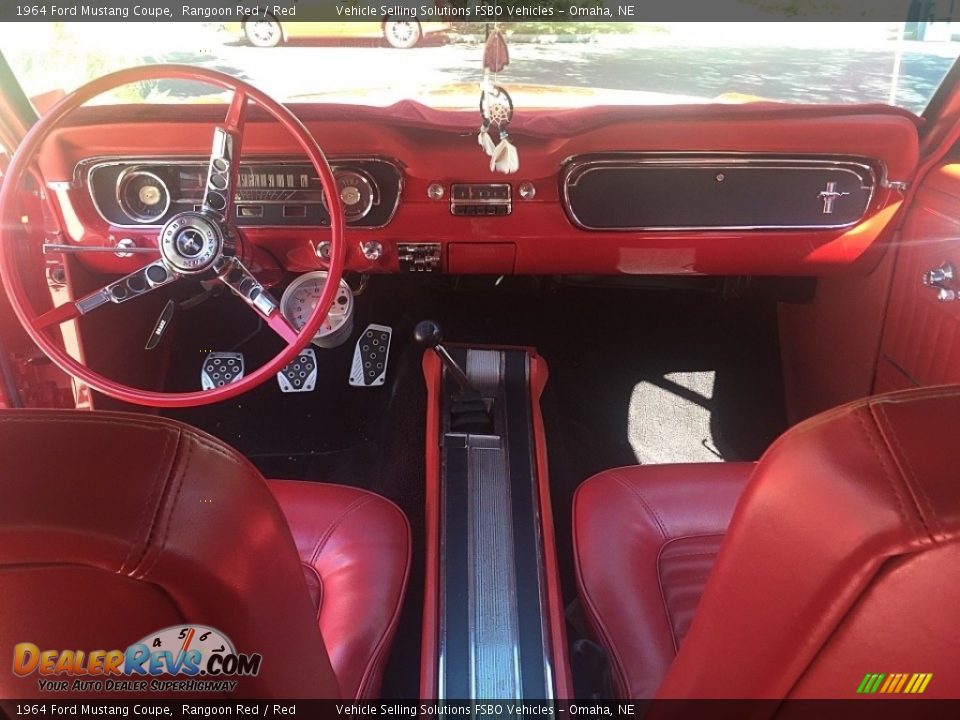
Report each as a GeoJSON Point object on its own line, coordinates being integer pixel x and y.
{"type": "Point", "coordinates": [583, 164]}
{"type": "Point", "coordinates": [84, 168]}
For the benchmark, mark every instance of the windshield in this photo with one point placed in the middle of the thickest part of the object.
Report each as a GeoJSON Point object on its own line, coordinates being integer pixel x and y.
{"type": "Point", "coordinates": [566, 64]}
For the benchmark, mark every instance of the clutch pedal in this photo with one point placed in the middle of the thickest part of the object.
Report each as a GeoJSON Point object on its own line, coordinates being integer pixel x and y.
{"type": "Point", "coordinates": [300, 375]}
{"type": "Point", "coordinates": [221, 368]}
{"type": "Point", "coordinates": [369, 368]}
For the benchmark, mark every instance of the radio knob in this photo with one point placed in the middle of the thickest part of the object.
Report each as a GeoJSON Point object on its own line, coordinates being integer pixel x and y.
{"type": "Point", "coordinates": [435, 191]}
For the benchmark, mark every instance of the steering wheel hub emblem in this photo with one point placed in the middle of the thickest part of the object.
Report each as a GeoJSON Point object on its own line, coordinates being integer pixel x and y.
{"type": "Point", "coordinates": [190, 242]}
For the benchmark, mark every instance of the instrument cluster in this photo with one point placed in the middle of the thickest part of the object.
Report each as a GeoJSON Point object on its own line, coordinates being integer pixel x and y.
{"type": "Point", "coordinates": [269, 193]}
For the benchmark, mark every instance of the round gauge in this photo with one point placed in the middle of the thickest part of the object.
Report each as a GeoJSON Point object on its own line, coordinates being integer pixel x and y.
{"type": "Point", "coordinates": [143, 196]}
{"type": "Point", "coordinates": [356, 194]}
{"type": "Point", "coordinates": [300, 298]}
{"type": "Point", "coordinates": [180, 638]}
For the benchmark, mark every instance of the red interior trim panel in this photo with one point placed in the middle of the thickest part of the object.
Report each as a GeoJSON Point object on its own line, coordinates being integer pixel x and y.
{"type": "Point", "coordinates": [453, 214]}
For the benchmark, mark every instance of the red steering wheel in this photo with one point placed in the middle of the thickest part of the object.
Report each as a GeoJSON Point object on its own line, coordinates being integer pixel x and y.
{"type": "Point", "coordinates": [200, 244]}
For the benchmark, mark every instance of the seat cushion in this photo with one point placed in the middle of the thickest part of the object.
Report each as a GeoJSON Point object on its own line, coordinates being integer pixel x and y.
{"type": "Point", "coordinates": [645, 539]}
{"type": "Point", "coordinates": [355, 551]}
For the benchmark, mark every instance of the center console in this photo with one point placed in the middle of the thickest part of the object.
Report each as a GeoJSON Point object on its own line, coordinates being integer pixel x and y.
{"type": "Point", "coordinates": [493, 618]}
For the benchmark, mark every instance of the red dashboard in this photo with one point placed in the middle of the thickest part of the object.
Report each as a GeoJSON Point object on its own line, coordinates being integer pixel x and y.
{"type": "Point", "coordinates": [435, 155]}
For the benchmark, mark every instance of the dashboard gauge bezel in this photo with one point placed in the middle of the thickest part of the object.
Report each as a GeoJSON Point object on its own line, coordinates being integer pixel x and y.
{"type": "Point", "coordinates": [125, 178]}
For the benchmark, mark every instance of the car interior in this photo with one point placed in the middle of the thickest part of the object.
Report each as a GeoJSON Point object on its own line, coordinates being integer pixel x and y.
{"type": "Point", "coordinates": [655, 402]}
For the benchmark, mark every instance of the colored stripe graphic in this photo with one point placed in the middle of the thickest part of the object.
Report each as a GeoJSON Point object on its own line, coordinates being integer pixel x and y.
{"type": "Point", "coordinates": [903, 679]}
{"type": "Point", "coordinates": [894, 683]}
{"type": "Point", "coordinates": [870, 683]}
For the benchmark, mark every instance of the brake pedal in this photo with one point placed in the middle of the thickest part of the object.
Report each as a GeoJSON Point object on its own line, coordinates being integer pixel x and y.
{"type": "Point", "coordinates": [369, 367]}
{"type": "Point", "coordinates": [221, 368]}
{"type": "Point", "coordinates": [300, 375]}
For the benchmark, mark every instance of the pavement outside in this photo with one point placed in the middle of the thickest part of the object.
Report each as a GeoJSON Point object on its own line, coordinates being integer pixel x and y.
{"type": "Point", "coordinates": [795, 62]}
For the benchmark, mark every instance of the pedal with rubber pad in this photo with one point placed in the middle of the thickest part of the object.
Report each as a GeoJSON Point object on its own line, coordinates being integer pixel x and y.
{"type": "Point", "coordinates": [300, 375]}
{"type": "Point", "coordinates": [369, 368]}
{"type": "Point", "coordinates": [221, 368]}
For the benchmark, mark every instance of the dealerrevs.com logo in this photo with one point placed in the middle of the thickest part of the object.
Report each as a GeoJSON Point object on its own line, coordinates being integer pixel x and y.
{"type": "Point", "coordinates": [192, 658]}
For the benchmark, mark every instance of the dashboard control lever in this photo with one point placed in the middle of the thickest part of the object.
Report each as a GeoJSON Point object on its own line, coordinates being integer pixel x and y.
{"type": "Point", "coordinates": [118, 250]}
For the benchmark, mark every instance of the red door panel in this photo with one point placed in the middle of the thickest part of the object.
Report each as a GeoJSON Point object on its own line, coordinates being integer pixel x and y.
{"type": "Point", "coordinates": [921, 340]}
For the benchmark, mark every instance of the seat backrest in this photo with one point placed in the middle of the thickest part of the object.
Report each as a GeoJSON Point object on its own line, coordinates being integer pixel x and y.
{"type": "Point", "coordinates": [842, 560]}
{"type": "Point", "coordinates": [114, 526]}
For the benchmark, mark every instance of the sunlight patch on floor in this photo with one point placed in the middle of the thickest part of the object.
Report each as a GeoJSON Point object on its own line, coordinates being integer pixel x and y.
{"type": "Point", "coordinates": [669, 419]}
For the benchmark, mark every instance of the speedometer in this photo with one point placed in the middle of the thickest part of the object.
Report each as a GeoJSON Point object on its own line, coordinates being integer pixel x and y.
{"type": "Point", "coordinates": [300, 299]}
{"type": "Point", "coordinates": [142, 195]}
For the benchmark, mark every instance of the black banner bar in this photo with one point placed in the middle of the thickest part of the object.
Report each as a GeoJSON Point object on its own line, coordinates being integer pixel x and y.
{"type": "Point", "coordinates": [466, 11]}
{"type": "Point", "coordinates": [865, 709]}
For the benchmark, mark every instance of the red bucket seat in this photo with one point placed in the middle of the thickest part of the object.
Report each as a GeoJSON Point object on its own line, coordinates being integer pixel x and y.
{"type": "Point", "coordinates": [834, 557]}
{"type": "Point", "coordinates": [114, 526]}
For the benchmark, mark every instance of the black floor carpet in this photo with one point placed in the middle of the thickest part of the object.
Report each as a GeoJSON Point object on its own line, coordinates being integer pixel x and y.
{"type": "Point", "coordinates": [635, 376]}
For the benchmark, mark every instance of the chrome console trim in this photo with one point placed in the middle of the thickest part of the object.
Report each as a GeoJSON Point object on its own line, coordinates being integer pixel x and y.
{"type": "Point", "coordinates": [494, 631]}
{"type": "Point", "coordinates": [574, 168]}
{"type": "Point", "coordinates": [494, 636]}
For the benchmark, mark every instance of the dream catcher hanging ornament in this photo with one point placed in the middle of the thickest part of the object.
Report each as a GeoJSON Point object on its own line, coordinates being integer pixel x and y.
{"type": "Point", "coordinates": [496, 107]}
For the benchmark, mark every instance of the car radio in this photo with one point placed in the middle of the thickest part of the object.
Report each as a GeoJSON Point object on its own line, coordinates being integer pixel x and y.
{"type": "Point", "coordinates": [480, 199]}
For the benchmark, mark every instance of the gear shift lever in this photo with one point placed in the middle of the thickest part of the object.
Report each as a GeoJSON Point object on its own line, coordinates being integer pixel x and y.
{"type": "Point", "coordinates": [429, 334]}
{"type": "Point", "coordinates": [468, 411]}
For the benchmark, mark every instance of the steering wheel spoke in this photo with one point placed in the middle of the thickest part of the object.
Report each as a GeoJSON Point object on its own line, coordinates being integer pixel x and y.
{"type": "Point", "coordinates": [137, 283]}
{"type": "Point", "coordinates": [220, 190]}
{"type": "Point", "coordinates": [245, 286]}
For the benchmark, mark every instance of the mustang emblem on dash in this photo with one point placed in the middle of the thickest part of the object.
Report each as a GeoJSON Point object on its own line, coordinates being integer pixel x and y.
{"type": "Point", "coordinates": [829, 197]}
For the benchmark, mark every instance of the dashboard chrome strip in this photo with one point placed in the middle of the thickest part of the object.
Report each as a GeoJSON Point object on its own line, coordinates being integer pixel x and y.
{"type": "Point", "coordinates": [84, 169]}
{"type": "Point", "coordinates": [578, 166]}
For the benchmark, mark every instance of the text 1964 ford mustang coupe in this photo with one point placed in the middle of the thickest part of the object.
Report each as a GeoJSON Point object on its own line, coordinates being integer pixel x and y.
{"type": "Point", "coordinates": [331, 386]}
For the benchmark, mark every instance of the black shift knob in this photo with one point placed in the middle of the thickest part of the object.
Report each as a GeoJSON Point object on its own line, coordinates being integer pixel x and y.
{"type": "Point", "coordinates": [428, 333]}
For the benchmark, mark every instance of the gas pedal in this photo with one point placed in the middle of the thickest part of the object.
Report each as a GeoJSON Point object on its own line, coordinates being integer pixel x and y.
{"type": "Point", "coordinates": [300, 375]}
{"type": "Point", "coordinates": [369, 368]}
{"type": "Point", "coordinates": [221, 368]}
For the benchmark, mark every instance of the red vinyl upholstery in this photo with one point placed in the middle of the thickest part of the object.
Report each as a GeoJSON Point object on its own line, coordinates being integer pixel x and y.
{"type": "Point", "coordinates": [355, 551]}
{"type": "Point", "coordinates": [841, 558]}
{"type": "Point", "coordinates": [114, 526]}
{"type": "Point", "coordinates": [645, 539]}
